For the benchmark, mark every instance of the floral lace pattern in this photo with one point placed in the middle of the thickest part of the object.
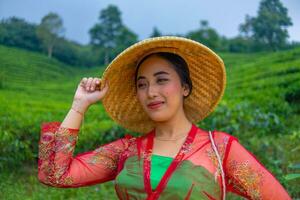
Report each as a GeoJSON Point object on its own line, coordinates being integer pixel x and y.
{"type": "Point", "coordinates": [65, 141]}
{"type": "Point", "coordinates": [108, 155]}
{"type": "Point", "coordinates": [245, 179]}
{"type": "Point", "coordinates": [130, 145]}
{"type": "Point", "coordinates": [186, 148]}
{"type": "Point", "coordinates": [54, 140]}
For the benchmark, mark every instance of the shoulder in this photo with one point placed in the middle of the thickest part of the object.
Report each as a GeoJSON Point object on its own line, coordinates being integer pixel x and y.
{"type": "Point", "coordinates": [223, 136]}
{"type": "Point", "coordinates": [217, 135]}
{"type": "Point", "coordinates": [128, 138]}
{"type": "Point", "coordinates": [129, 141]}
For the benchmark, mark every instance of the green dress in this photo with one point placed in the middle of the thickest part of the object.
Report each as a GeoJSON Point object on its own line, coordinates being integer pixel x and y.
{"type": "Point", "coordinates": [159, 166]}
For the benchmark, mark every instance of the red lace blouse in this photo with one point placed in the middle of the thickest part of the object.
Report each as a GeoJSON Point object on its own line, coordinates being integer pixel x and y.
{"type": "Point", "coordinates": [193, 174]}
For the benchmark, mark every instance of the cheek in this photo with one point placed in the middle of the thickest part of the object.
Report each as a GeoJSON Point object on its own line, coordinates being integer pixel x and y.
{"type": "Point", "coordinates": [140, 97]}
{"type": "Point", "coordinates": [172, 90]}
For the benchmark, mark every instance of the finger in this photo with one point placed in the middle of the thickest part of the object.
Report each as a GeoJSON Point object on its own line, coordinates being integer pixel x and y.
{"type": "Point", "coordinates": [94, 83]}
{"type": "Point", "coordinates": [83, 81]}
{"type": "Point", "coordinates": [89, 83]}
{"type": "Point", "coordinates": [98, 84]}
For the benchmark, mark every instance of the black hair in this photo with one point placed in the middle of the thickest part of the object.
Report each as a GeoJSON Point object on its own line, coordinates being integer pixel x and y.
{"type": "Point", "coordinates": [179, 65]}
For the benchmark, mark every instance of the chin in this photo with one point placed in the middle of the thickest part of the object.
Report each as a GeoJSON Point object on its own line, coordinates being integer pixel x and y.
{"type": "Point", "coordinates": [159, 117]}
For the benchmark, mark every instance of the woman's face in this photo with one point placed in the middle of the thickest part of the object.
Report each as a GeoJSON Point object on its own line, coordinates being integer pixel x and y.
{"type": "Point", "coordinates": [159, 89]}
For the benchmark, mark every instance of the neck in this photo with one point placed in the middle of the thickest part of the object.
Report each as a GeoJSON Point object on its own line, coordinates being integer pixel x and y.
{"type": "Point", "coordinates": [178, 125]}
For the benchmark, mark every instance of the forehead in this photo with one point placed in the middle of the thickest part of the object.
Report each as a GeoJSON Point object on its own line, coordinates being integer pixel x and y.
{"type": "Point", "coordinates": [154, 64]}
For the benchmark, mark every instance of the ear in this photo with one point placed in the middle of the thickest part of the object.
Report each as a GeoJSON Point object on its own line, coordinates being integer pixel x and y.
{"type": "Point", "coordinates": [186, 90]}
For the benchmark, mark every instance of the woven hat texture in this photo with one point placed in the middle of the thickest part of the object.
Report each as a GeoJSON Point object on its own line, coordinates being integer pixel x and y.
{"type": "Point", "coordinates": [207, 72]}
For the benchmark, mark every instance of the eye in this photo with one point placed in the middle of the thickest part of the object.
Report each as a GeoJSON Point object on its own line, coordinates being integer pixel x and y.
{"type": "Point", "coordinates": [162, 80]}
{"type": "Point", "coordinates": [141, 85]}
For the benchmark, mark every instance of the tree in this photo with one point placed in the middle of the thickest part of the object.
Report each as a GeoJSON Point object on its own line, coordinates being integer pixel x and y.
{"type": "Point", "coordinates": [205, 35]}
{"type": "Point", "coordinates": [110, 34]}
{"type": "Point", "coordinates": [239, 44]}
{"type": "Point", "coordinates": [155, 32]}
{"type": "Point", "coordinates": [19, 33]}
{"type": "Point", "coordinates": [50, 30]}
{"type": "Point", "coordinates": [270, 26]}
{"type": "Point", "coordinates": [125, 39]}
{"type": "Point", "coordinates": [246, 28]}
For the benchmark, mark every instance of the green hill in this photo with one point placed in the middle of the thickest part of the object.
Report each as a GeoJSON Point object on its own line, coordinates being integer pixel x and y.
{"type": "Point", "coordinates": [36, 89]}
{"type": "Point", "coordinates": [23, 70]}
{"type": "Point", "coordinates": [260, 107]}
{"type": "Point", "coordinates": [261, 72]}
{"type": "Point", "coordinates": [269, 81]}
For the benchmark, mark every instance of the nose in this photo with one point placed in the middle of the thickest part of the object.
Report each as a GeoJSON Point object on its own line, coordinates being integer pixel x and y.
{"type": "Point", "coordinates": [152, 91]}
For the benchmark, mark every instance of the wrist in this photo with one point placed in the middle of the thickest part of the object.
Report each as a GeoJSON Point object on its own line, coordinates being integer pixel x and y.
{"type": "Point", "coordinates": [79, 106]}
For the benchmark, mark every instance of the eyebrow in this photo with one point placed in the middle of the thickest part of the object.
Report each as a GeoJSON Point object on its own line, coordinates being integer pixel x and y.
{"type": "Point", "coordinates": [155, 74]}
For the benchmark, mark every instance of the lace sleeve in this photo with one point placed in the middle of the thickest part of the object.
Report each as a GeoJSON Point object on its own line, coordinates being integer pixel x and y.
{"type": "Point", "coordinates": [57, 167]}
{"type": "Point", "coordinates": [247, 177]}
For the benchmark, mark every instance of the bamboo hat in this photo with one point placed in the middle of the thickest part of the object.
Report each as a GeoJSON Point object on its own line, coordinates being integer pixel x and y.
{"type": "Point", "coordinates": [207, 72]}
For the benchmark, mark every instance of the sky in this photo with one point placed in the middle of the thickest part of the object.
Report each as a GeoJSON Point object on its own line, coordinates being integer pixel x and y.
{"type": "Point", "coordinates": [169, 16]}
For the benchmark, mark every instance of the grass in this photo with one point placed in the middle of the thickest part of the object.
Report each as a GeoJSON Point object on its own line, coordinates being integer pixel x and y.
{"type": "Point", "coordinates": [23, 184]}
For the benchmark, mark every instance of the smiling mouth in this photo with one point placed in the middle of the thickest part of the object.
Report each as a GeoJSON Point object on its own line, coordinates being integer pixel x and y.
{"type": "Point", "coordinates": [155, 105]}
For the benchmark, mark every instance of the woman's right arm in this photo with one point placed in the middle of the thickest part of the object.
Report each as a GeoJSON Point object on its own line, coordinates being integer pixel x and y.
{"type": "Point", "coordinates": [58, 168]}
{"type": "Point", "coordinates": [56, 165]}
{"type": "Point", "coordinates": [88, 92]}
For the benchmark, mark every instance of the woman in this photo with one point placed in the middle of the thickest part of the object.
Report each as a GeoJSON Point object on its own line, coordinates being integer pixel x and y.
{"type": "Point", "coordinates": [159, 87]}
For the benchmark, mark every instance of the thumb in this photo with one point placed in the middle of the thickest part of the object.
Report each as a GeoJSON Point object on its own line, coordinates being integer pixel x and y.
{"type": "Point", "coordinates": [104, 89]}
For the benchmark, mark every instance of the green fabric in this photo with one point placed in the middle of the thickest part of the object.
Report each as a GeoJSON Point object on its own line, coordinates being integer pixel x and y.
{"type": "Point", "coordinates": [159, 165]}
{"type": "Point", "coordinates": [130, 181]}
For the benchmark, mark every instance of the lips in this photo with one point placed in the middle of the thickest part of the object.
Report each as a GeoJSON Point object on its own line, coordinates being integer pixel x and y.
{"type": "Point", "coordinates": [155, 104]}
